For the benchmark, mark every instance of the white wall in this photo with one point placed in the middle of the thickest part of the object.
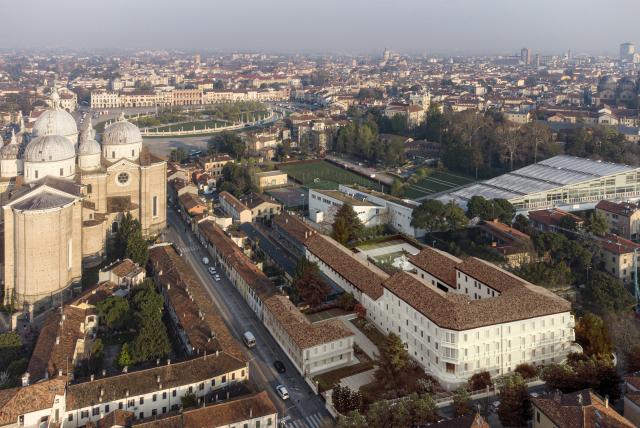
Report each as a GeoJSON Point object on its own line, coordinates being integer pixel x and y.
{"type": "Point", "coordinates": [368, 215]}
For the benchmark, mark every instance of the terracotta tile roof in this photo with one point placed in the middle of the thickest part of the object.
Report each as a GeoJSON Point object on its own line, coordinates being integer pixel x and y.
{"type": "Point", "coordinates": [235, 258]}
{"type": "Point", "coordinates": [621, 208]}
{"type": "Point", "coordinates": [254, 200]}
{"type": "Point", "coordinates": [438, 263]}
{"type": "Point", "coordinates": [126, 267]}
{"type": "Point", "coordinates": [190, 201]}
{"type": "Point", "coordinates": [55, 348]}
{"type": "Point", "coordinates": [36, 396]}
{"type": "Point", "coordinates": [115, 388]}
{"type": "Point", "coordinates": [295, 227]}
{"type": "Point", "coordinates": [489, 274]}
{"type": "Point", "coordinates": [191, 303]}
{"type": "Point", "coordinates": [304, 333]}
{"type": "Point", "coordinates": [552, 216]}
{"type": "Point", "coordinates": [615, 244]}
{"type": "Point", "coordinates": [221, 414]}
{"type": "Point", "coordinates": [364, 276]}
{"type": "Point", "coordinates": [582, 409]}
{"type": "Point", "coordinates": [233, 201]}
{"type": "Point", "coordinates": [505, 231]}
{"type": "Point", "coordinates": [457, 311]}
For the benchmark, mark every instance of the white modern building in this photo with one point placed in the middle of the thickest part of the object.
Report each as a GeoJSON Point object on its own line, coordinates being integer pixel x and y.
{"type": "Point", "coordinates": [456, 317]}
{"type": "Point", "coordinates": [324, 204]}
{"type": "Point", "coordinates": [398, 211]}
{"type": "Point", "coordinates": [566, 182]}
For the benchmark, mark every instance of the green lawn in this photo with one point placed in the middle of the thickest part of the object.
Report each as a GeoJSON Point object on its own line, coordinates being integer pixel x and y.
{"type": "Point", "coordinates": [189, 126]}
{"type": "Point", "coordinates": [437, 181]}
{"type": "Point", "coordinates": [325, 176]}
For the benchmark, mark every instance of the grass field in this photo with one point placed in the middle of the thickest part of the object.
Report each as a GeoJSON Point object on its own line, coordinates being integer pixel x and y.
{"type": "Point", "coordinates": [325, 176]}
{"type": "Point", "coordinates": [437, 181]}
{"type": "Point", "coordinates": [189, 126]}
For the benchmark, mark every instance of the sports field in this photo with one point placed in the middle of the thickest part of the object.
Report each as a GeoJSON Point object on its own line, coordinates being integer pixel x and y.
{"type": "Point", "coordinates": [325, 176]}
{"type": "Point", "coordinates": [437, 181]}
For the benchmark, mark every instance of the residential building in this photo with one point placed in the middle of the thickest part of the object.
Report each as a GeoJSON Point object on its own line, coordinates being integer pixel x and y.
{"type": "Point", "coordinates": [214, 164]}
{"type": "Point", "coordinates": [192, 205]}
{"type": "Point", "coordinates": [292, 232]}
{"type": "Point", "coordinates": [263, 208]}
{"type": "Point", "coordinates": [270, 179]}
{"type": "Point", "coordinates": [623, 218]}
{"type": "Point", "coordinates": [579, 409]}
{"type": "Point", "coordinates": [456, 317]}
{"type": "Point", "coordinates": [123, 273]}
{"type": "Point", "coordinates": [236, 209]}
{"type": "Point", "coordinates": [550, 220]}
{"type": "Point", "coordinates": [311, 347]}
{"type": "Point", "coordinates": [515, 246]}
{"type": "Point", "coordinates": [616, 254]}
{"type": "Point", "coordinates": [414, 114]}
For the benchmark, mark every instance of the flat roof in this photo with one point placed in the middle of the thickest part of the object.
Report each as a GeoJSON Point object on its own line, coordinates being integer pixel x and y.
{"type": "Point", "coordinates": [342, 197]}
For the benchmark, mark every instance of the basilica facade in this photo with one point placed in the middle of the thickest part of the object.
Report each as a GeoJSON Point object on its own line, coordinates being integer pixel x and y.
{"type": "Point", "coordinates": [63, 194]}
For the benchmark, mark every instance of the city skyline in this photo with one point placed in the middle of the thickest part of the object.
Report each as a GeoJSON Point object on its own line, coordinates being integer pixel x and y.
{"type": "Point", "coordinates": [356, 27]}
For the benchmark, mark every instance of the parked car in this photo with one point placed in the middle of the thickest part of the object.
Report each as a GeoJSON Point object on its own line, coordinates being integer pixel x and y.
{"type": "Point", "coordinates": [249, 339]}
{"type": "Point", "coordinates": [279, 365]}
{"type": "Point", "coordinates": [205, 260]}
{"type": "Point", "coordinates": [282, 392]}
{"type": "Point", "coordinates": [212, 271]}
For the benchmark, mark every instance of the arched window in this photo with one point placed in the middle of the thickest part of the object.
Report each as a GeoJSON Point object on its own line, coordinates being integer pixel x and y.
{"type": "Point", "coordinates": [114, 227]}
{"type": "Point", "coordinates": [89, 188]}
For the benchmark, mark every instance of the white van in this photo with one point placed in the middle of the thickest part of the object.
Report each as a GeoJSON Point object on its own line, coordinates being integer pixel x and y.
{"type": "Point", "coordinates": [249, 339]}
{"type": "Point", "coordinates": [205, 260]}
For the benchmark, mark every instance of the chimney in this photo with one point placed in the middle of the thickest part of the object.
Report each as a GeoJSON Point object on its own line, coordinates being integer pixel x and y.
{"type": "Point", "coordinates": [57, 340]}
{"type": "Point", "coordinates": [250, 413]}
{"type": "Point", "coordinates": [126, 392]}
{"type": "Point", "coordinates": [59, 372]}
{"type": "Point", "coordinates": [104, 372]}
{"type": "Point", "coordinates": [168, 361]}
{"type": "Point", "coordinates": [216, 352]}
{"type": "Point", "coordinates": [158, 378]}
{"type": "Point", "coordinates": [25, 379]}
{"type": "Point", "coordinates": [580, 399]}
{"type": "Point", "coordinates": [101, 392]}
{"type": "Point", "coordinates": [92, 377]}
{"type": "Point", "coordinates": [157, 361]}
{"type": "Point", "coordinates": [125, 369]}
{"type": "Point", "coordinates": [606, 401]}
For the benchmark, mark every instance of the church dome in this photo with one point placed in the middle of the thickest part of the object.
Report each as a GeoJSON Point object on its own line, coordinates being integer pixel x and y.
{"type": "Point", "coordinates": [56, 121]}
{"type": "Point", "coordinates": [121, 132]}
{"type": "Point", "coordinates": [11, 150]}
{"type": "Point", "coordinates": [49, 148]}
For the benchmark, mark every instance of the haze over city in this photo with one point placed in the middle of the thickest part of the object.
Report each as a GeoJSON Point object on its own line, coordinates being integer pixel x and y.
{"type": "Point", "coordinates": [355, 26]}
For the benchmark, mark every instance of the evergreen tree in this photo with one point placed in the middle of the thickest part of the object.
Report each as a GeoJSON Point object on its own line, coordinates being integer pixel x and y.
{"type": "Point", "coordinates": [124, 358]}
{"type": "Point", "coordinates": [392, 360]}
{"type": "Point", "coordinates": [515, 403]}
{"type": "Point", "coordinates": [592, 334]}
{"type": "Point", "coordinates": [346, 226]}
{"type": "Point", "coordinates": [137, 249]}
{"type": "Point", "coordinates": [462, 401]}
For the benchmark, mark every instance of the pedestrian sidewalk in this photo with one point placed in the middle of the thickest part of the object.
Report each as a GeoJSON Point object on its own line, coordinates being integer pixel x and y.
{"type": "Point", "coordinates": [367, 346]}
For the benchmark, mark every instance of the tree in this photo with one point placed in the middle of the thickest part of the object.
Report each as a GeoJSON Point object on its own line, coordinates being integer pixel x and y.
{"type": "Point", "coordinates": [346, 301]}
{"type": "Point", "coordinates": [227, 142]}
{"type": "Point", "coordinates": [345, 400]}
{"type": "Point", "coordinates": [454, 216]}
{"type": "Point", "coordinates": [462, 401]}
{"type": "Point", "coordinates": [592, 334]}
{"type": "Point", "coordinates": [430, 215]}
{"type": "Point", "coordinates": [581, 372]}
{"type": "Point", "coordinates": [151, 341]}
{"type": "Point", "coordinates": [633, 359]}
{"type": "Point", "coordinates": [521, 223]}
{"type": "Point", "coordinates": [113, 312]}
{"type": "Point", "coordinates": [124, 358]}
{"type": "Point", "coordinates": [480, 381]}
{"type": "Point", "coordinates": [422, 409]}
{"type": "Point", "coordinates": [527, 371]}
{"type": "Point", "coordinates": [10, 347]}
{"type": "Point", "coordinates": [352, 420]}
{"type": "Point", "coordinates": [481, 207]}
{"type": "Point", "coordinates": [177, 155]}
{"type": "Point", "coordinates": [380, 414]}
{"type": "Point", "coordinates": [137, 249]}
{"type": "Point", "coordinates": [308, 283]}
{"type": "Point", "coordinates": [347, 225]}
{"type": "Point", "coordinates": [597, 224]}
{"type": "Point", "coordinates": [393, 359]}
{"type": "Point", "coordinates": [604, 293]}
{"type": "Point", "coordinates": [515, 403]}
{"type": "Point", "coordinates": [511, 141]}
{"type": "Point", "coordinates": [189, 400]}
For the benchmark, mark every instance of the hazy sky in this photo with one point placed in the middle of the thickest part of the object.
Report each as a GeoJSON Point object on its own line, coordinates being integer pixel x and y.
{"type": "Point", "coordinates": [339, 26]}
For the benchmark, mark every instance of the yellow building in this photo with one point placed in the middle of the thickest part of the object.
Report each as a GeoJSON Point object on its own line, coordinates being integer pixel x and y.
{"type": "Point", "coordinates": [270, 179]}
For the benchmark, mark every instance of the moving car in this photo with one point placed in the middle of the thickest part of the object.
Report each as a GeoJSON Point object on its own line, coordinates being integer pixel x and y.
{"type": "Point", "coordinates": [282, 392]}
{"type": "Point", "coordinates": [279, 365]}
{"type": "Point", "coordinates": [205, 260]}
{"type": "Point", "coordinates": [249, 339]}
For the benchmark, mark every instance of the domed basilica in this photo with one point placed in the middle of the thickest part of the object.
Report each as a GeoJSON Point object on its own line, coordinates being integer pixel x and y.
{"type": "Point", "coordinates": [63, 195]}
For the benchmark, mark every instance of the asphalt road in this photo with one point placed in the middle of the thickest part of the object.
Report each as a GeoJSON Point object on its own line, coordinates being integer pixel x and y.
{"type": "Point", "coordinates": [304, 407]}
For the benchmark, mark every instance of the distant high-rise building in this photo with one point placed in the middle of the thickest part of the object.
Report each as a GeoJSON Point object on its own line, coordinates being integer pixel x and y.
{"type": "Point", "coordinates": [627, 50]}
{"type": "Point", "coordinates": [386, 54]}
{"type": "Point", "coordinates": [196, 60]}
{"type": "Point", "coordinates": [525, 55]}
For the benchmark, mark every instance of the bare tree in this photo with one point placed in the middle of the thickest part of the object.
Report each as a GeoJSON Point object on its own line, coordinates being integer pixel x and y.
{"type": "Point", "coordinates": [511, 140]}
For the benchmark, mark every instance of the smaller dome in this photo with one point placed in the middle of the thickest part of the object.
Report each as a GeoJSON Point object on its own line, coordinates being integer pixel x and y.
{"type": "Point", "coordinates": [49, 148]}
{"type": "Point", "coordinates": [121, 132]}
{"type": "Point", "coordinates": [11, 150]}
{"type": "Point", "coordinates": [88, 144]}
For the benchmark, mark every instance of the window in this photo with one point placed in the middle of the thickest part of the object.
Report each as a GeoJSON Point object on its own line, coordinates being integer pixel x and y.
{"type": "Point", "coordinates": [84, 414]}
{"type": "Point", "coordinates": [106, 408]}
{"type": "Point", "coordinates": [155, 397]}
{"type": "Point", "coordinates": [70, 418]}
{"type": "Point", "coordinates": [36, 173]}
{"type": "Point", "coordinates": [89, 188]}
{"type": "Point", "coordinates": [141, 400]}
{"type": "Point", "coordinates": [141, 415]}
{"type": "Point", "coordinates": [173, 393]}
{"type": "Point", "coordinates": [154, 412]}
{"type": "Point", "coordinates": [131, 403]}
{"type": "Point", "coordinates": [123, 178]}
{"type": "Point", "coordinates": [164, 395]}
{"type": "Point", "coordinates": [224, 379]}
{"type": "Point", "coordinates": [113, 155]}
{"type": "Point", "coordinates": [155, 206]}
{"type": "Point", "coordinates": [120, 405]}
{"type": "Point", "coordinates": [61, 172]}
{"type": "Point", "coordinates": [133, 153]}
{"type": "Point", "coordinates": [201, 386]}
